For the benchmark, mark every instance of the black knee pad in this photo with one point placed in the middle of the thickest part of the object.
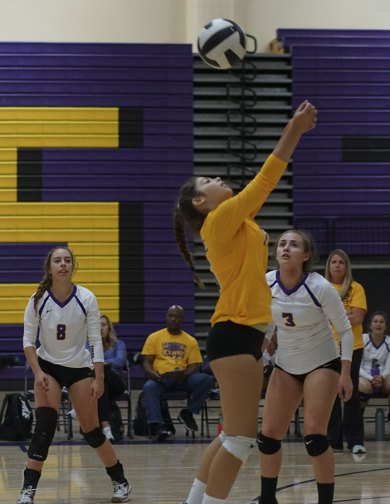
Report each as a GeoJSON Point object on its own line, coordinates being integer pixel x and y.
{"type": "Point", "coordinates": [95, 438]}
{"type": "Point", "coordinates": [268, 445]}
{"type": "Point", "coordinates": [316, 444]}
{"type": "Point", "coordinates": [45, 427]}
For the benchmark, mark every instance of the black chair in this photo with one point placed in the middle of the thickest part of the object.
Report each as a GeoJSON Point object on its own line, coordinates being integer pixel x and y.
{"type": "Point", "coordinates": [125, 398]}
{"type": "Point", "coordinates": [176, 396]}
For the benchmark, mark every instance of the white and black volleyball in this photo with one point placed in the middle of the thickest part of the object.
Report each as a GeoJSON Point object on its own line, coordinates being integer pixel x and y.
{"type": "Point", "coordinates": [221, 44]}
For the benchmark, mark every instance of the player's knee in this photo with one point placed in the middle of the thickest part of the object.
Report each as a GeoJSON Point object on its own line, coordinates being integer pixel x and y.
{"type": "Point", "coordinates": [268, 445]}
{"type": "Point", "coordinates": [45, 427]}
{"type": "Point", "coordinates": [316, 444]}
{"type": "Point", "coordinates": [239, 446]}
{"type": "Point", "coordinates": [95, 438]}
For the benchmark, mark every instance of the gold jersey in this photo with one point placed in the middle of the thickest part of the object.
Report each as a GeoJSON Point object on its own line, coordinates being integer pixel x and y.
{"type": "Point", "coordinates": [237, 250]}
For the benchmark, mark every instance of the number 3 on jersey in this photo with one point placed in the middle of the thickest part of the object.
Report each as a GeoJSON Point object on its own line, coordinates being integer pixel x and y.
{"type": "Point", "coordinates": [61, 331]}
{"type": "Point", "coordinates": [289, 319]}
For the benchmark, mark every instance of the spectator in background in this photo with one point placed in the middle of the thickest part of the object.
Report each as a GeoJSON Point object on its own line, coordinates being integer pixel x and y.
{"type": "Point", "coordinates": [171, 359]}
{"type": "Point", "coordinates": [375, 366]}
{"type": "Point", "coordinates": [115, 356]}
{"type": "Point", "coordinates": [348, 425]}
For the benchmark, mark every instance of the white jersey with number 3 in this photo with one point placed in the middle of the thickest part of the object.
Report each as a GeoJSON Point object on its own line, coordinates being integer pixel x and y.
{"type": "Point", "coordinates": [302, 316]}
{"type": "Point", "coordinates": [63, 328]}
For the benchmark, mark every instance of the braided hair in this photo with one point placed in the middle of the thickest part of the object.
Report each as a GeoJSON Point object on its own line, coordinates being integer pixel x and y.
{"type": "Point", "coordinates": [186, 214]}
{"type": "Point", "coordinates": [47, 281]}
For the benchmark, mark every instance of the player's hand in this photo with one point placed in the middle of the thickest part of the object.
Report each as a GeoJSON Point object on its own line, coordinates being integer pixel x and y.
{"type": "Point", "coordinates": [41, 381]}
{"type": "Point", "coordinates": [345, 388]}
{"type": "Point", "coordinates": [305, 117]}
{"type": "Point", "coordinates": [97, 389]}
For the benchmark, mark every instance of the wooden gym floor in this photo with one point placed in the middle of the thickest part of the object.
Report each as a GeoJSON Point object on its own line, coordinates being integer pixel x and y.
{"type": "Point", "coordinates": [162, 473]}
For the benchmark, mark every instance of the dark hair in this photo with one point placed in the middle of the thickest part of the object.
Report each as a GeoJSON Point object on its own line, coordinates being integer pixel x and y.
{"type": "Point", "coordinates": [308, 245]}
{"type": "Point", "coordinates": [186, 214]}
{"type": "Point", "coordinates": [47, 281]}
{"type": "Point", "coordinates": [374, 314]}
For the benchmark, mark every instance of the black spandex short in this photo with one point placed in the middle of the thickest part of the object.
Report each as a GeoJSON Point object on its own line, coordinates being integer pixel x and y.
{"type": "Point", "coordinates": [65, 376]}
{"type": "Point", "coordinates": [334, 365]}
{"type": "Point", "coordinates": [228, 338]}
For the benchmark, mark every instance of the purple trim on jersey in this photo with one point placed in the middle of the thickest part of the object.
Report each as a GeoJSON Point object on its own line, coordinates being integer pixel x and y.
{"type": "Point", "coordinates": [80, 303]}
{"type": "Point", "coordinates": [315, 300]}
{"type": "Point", "coordinates": [383, 342]}
{"type": "Point", "coordinates": [294, 289]}
{"type": "Point", "coordinates": [61, 305]}
{"type": "Point", "coordinates": [43, 304]}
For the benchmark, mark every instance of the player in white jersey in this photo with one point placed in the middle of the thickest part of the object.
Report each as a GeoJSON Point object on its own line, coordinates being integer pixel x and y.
{"type": "Point", "coordinates": [64, 316]}
{"type": "Point", "coordinates": [308, 364]}
{"type": "Point", "coordinates": [376, 354]}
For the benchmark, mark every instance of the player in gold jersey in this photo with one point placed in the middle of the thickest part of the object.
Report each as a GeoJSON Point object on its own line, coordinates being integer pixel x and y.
{"type": "Point", "coordinates": [237, 250]}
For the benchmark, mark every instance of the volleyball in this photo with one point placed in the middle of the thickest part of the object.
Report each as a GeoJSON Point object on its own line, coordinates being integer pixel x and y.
{"type": "Point", "coordinates": [221, 44]}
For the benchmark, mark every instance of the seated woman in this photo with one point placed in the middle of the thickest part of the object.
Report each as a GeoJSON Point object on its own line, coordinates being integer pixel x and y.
{"type": "Point", "coordinates": [115, 356]}
{"type": "Point", "coordinates": [374, 373]}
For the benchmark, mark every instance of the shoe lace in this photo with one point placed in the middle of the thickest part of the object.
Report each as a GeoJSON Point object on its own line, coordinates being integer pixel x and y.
{"type": "Point", "coordinates": [119, 488]}
{"type": "Point", "coordinates": [26, 492]}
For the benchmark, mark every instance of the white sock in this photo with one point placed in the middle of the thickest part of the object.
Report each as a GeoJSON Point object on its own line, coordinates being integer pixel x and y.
{"type": "Point", "coordinates": [196, 493]}
{"type": "Point", "coordinates": [107, 432]}
{"type": "Point", "coordinates": [211, 500]}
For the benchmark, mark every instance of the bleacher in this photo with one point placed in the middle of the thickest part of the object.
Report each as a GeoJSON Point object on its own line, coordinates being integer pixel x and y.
{"type": "Point", "coordinates": [341, 176]}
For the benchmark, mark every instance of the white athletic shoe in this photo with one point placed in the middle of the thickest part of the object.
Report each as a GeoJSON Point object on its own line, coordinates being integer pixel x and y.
{"type": "Point", "coordinates": [108, 433]}
{"type": "Point", "coordinates": [26, 496]}
{"type": "Point", "coordinates": [72, 414]}
{"type": "Point", "coordinates": [121, 492]}
{"type": "Point", "coordinates": [357, 448]}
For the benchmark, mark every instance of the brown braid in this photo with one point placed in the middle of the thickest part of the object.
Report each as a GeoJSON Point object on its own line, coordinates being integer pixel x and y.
{"type": "Point", "coordinates": [44, 284]}
{"type": "Point", "coordinates": [186, 214]}
{"type": "Point", "coordinates": [46, 281]}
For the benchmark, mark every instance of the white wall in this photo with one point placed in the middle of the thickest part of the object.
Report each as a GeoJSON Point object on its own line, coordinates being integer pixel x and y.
{"type": "Point", "coordinates": [177, 20]}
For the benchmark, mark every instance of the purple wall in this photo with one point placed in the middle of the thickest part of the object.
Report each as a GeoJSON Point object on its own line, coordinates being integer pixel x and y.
{"type": "Point", "coordinates": [138, 159]}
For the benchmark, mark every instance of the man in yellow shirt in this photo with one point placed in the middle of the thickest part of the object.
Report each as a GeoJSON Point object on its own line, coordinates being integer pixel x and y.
{"type": "Point", "coordinates": [171, 358]}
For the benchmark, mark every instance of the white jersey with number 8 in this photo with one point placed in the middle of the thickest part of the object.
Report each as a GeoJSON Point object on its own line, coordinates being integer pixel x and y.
{"type": "Point", "coordinates": [64, 328]}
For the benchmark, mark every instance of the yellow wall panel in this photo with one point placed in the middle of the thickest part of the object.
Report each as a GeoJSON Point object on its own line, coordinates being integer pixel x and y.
{"type": "Point", "coordinates": [25, 291]}
{"type": "Point", "coordinates": [52, 127]}
{"type": "Point", "coordinates": [58, 128]}
{"type": "Point", "coordinates": [60, 208]}
{"type": "Point", "coordinates": [59, 141]}
{"type": "Point", "coordinates": [75, 223]}
{"type": "Point", "coordinates": [83, 226]}
{"type": "Point", "coordinates": [42, 114]}
{"type": "Point", "coordinates": [56, 235]}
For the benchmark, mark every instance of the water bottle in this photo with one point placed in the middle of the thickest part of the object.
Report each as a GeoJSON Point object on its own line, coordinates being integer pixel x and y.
{"type": "Point", "coordinates": [375, 371]}
{"type": "Point", "coordinates": [380, 424]}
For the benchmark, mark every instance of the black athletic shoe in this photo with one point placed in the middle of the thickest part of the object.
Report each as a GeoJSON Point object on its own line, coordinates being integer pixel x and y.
{"type": "Point", "coordinates": [185, 417]}
{"type": "Point", "coordinates": [163, 433]}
